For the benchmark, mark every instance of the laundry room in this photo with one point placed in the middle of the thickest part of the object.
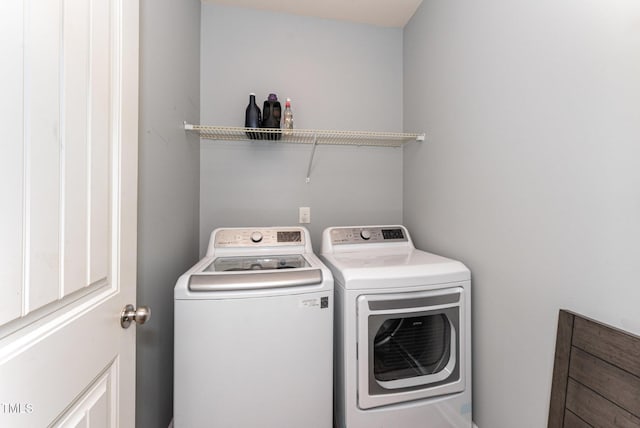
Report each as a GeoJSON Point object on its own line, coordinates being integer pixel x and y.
{"type": "Point", "coordinates": [527, 173]}
{"type": "Point", "coordinates": [513, 175]}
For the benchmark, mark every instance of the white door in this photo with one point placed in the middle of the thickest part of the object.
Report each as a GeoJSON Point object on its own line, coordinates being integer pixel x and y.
{"type": "Point", "coordinates": [68, 183]}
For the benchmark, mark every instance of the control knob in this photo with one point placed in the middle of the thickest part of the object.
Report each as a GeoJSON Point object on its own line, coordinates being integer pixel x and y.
{"type": "Point", "coordinates": [256, 236]}
{"type": "Point", "coordinates": [365, 234]}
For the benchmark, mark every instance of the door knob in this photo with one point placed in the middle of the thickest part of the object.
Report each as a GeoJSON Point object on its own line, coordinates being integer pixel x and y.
{"type": "Point", "coordinates": [129, 314]}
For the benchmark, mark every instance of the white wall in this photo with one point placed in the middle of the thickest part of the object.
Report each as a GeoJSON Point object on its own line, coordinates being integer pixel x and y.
{"type": "Point", "coordinates": [339, 76]}
{"type": "Point", "coordinates": [168, 189]}
{"type": "Point", "coordinates": [530, 176]}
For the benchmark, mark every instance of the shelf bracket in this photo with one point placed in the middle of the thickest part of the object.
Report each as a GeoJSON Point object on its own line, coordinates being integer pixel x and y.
{"type": "Point", "coordinates": [313, 152]}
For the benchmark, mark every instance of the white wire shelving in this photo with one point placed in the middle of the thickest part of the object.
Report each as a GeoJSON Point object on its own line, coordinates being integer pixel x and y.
{"type": "Point", "coordinates": [305, 136]}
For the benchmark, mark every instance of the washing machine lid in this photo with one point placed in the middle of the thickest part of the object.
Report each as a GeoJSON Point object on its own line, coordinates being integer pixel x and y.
{"type": "Point", "coordinates": [254, 263]}
{"type": "Point", "coordinates": [259, 262]}
{"type": "Point", "coordinates": [255, 272]}
{"type": "Point", "coordinates": [252, 281]}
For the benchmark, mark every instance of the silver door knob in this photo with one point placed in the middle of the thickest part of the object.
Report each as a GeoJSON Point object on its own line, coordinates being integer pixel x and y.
{"type": "Point", "coordinates": [131, 314]}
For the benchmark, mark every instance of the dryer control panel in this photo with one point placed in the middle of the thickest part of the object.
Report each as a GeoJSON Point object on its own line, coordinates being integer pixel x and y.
{"type": "Point", "coordinates": [364, 235]}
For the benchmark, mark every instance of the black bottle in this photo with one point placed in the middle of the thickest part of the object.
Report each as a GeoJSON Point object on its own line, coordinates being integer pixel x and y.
{"type": "Point", "coordinates": [252, 117]}
{"type": "Point", "coordinates": [272, 113]}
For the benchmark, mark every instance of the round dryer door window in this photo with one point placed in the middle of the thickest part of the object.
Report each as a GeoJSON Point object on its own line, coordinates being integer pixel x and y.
{"type": "Point", "coordinates": [409, 346]}
{"type": "Point", "coordinates": [412, 346]}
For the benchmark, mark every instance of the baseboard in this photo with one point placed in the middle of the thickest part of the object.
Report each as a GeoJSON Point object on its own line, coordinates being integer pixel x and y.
{"type": "Point", "coordinates": [171, 424]}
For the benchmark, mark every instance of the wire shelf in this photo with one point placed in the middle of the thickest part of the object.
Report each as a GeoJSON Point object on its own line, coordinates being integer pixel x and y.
{"type": "Point", "coordinates": [305, 136]}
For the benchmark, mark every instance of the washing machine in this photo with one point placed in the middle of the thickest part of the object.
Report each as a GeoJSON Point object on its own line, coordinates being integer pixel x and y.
{"type": "Point", "coordinates": [403, 331]}
{"type": "Point", "coordinates": [254, 333]}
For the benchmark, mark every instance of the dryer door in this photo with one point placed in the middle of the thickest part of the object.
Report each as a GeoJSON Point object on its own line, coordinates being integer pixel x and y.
{"type": "Point", "coordinates": [409, 346]}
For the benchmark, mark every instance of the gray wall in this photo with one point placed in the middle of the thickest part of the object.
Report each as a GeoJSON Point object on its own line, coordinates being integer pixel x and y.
{"type": "Point", "coordinates": [339, 75]}
{"type": "Point", "coordinates": [530, 176]}
{"type": "Point", "coordinates": [168, 189]}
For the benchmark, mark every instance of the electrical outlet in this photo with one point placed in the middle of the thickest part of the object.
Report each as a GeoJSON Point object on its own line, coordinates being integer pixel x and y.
{"type": "Point", "coordinates": [304, 214]}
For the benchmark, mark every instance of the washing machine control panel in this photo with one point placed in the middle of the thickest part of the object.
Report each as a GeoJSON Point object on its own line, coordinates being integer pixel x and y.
{"type": "Point", "coordinates": [258, 237]}
{"type": "Point", "coordinates": [363, 235]}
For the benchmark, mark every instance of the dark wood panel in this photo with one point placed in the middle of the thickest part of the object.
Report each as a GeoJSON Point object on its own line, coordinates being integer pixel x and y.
{"type": "Point", "coordinates": [560, 370]}
{"type": "Point", "coordinates": [615, 346]}
{"type": "Point", "coordinates": [572, 421]}
{"type": "Point", "coordinates": [607, 380]}
{"type": "Point", "coordinates": [596, 410]}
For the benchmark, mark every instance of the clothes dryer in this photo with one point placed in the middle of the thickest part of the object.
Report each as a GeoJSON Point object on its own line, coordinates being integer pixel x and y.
{"type": "Point", "coordinates": [403, 331]}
